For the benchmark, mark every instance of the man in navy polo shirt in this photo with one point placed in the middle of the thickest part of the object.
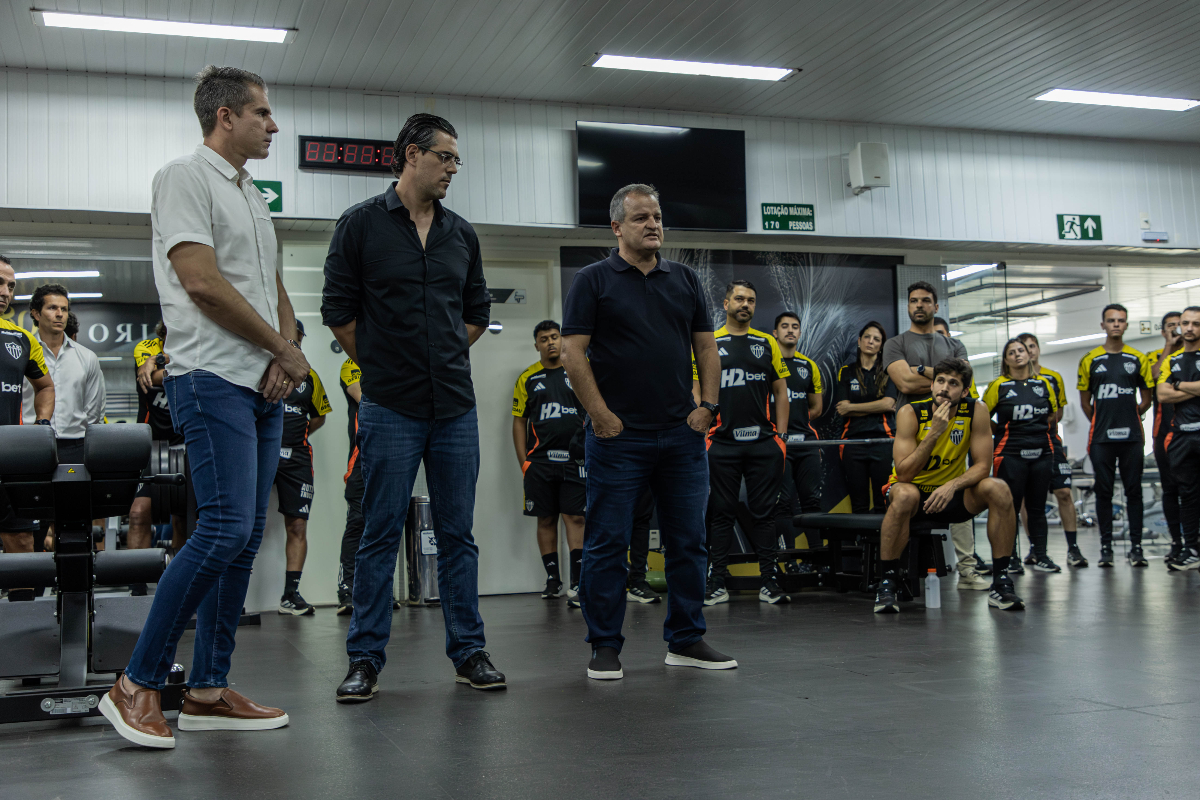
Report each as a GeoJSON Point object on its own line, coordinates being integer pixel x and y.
{"type": "Point", "coordinates": [631, 324]}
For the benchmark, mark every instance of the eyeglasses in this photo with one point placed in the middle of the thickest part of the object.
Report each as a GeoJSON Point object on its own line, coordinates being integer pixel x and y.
{"type": "Point", "coordinates": [445, 158]}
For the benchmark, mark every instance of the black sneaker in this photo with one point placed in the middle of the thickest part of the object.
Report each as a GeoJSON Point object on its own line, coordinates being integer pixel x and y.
{"type": "Point", "coordinates": [1187, 559]}
{"type": "Point", "coordinates": [295, 605]}
{"type": "Point", "coordinates": [639, 591]}
{"type": "Point", "coordinates": [1075, 557]}
{"type": "Point", "coordinates": [1032, 557]}
{"type": "Point", "coordinates": [573, 597]}
{"type": "Point", "coordinates": [478, 671]}
{"type": "Point", "coordinates": [1136, 557]}
{"type": "Point", "coordinates": [701, 656]}
{"type": "Point", "coordinates": [1042, 563]}
{"type": "Point", "coordinates": [605, 664]}
{"type": "Point", "coordinates": [1106, 558]}
{"type": "Point", "coordinates": [886, 601]}
{"type": "Point", "coordinates": [138, 590]}
{"type": "Point", "coordinates": [345, 605]}
{"type": "Point", "coordinates": [1004, 596]}
{"type": "Point", "coordinates": [1015, 567]}
{"type": "Point", "coordinates": [771, 592]}
{"type": "Point", "coordinates": [360, 685]}
{"type": "Point", "coordinates": [1174, 553]}
{"type": "Point", "coordinates": [981, 566]}
{"type": "Point", "coordinates": [553, 589]}
{"type": "Point", "coordinates": [715, 592]}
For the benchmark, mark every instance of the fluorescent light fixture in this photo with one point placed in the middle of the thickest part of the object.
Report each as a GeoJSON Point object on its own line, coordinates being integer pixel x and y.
{"type": "Point", "coordinates": [978, 356]}
{"type": "Point", "coordinates": [1183, 284]}
{"type": "Point", "coordinates": [631, 127]}
{"type": "Point", "coordinates": [92, 22]}
{"type": "Point", "coordinates": [692, 68]}
{"type": "Point", "coordinates": [587, 162]}
{"type": "Point", "coordinates": [86, 295]}
{"type": "Point", "coordinates": [1119, 100]}
{"type": "Point", "coordinates": [82, 273]}
{"type": "Point", "coordinates": [964, 271]}
{"type": "Point", "coordinates": [108, 358]}
{"type": "Point", "coordinates": [1074, 339]}
{"type": "Point", "coordinates": [956, 333]}
{"type": "Point", "coordinates": [22, 297]}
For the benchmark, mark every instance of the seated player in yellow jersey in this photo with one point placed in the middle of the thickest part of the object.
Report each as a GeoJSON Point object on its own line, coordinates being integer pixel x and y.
{"type": "Point", "coordinates": [932, 481]}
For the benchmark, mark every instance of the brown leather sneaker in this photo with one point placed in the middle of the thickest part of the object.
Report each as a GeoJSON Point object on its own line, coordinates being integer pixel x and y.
{"type": "Point", "coordinates": [137, 716]}
{"type": "Point", "coordinates": [231, 712]}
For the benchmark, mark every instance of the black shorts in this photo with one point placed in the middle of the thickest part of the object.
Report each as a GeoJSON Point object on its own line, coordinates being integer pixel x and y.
{"type": "Point", "coordinates": [294, 481]}
{"type": "Point", "coordinates": [954, 512]}
{"type": "Point", "coordinates": [1060, 477]}
{"type": "Point", "coordinates": [552, 489]}
{"type": "Point", "coordinates": [10, 522]}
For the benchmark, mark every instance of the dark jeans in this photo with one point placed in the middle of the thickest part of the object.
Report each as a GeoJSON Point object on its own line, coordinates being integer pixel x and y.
{"type": "Point", "coordinates": [232, 438]}
{"type": "Point", "coordinates": [639, 543]}
{"type": "Point", "coordinates": [354, 526]}
{"type": "Point", "coordinates": [761, 463]}
{"type": "Point", "coordinates": [1184, 452]}
{"type": "Point", "coordinates": [391, 447]}
{"type": "Point", "coordinates": [1105, 458]}
{"type": "Point", "coordinates": [1170, 489]}
{"type": "Point", "coordinates": [1029, 481]}
{"type": "Point", "coordinates": [674, 465]}
{"type": "Point", "coordinates": [867, 468]}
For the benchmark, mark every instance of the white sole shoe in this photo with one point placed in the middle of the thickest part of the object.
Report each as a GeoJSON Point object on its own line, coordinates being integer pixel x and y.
{"type": "Point", "coordinates": [974, 582]}
{"type": "Point", "coordinates": [188, 722]}
{"type": "Point", "coordinates": [606, 675]}
{"type": "Point", "coordinates": [109, 710]}
{"type": "Point", "coordinates": [674, 660]}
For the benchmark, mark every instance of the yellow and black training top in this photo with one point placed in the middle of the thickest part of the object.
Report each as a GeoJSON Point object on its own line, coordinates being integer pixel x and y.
{"type": "Point", "coordinates": [1114, 380]}
{"type": "Point", "coordinates": [1184, 367]}
{"type": "Point", "coordinates": [545, 398]}
{"type": "Point", "coordinates": [1024, 412]}
{"type": "Point", "coordinates": [306, 401]}
{"type": "Point", "coordinates": [20, 357]}
{"type": "Point", "coordinates": [1163, 412]}
{"type": "Point", "coordinates": [949, 457]}
{"type": "Point", "coordinates": [152, 404]}
{"type": "Point", "coordinates": [804, 380]}
{"type": "Point", "coordinates": [750, 363]}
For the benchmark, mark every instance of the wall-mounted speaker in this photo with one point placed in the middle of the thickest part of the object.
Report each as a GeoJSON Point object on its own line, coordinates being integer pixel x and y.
{"type": "Point", "coordinates": [870, 167]}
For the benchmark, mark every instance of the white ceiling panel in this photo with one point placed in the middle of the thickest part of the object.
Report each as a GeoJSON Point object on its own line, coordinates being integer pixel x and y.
{"type": "Point", "coordinates": [943, 63]}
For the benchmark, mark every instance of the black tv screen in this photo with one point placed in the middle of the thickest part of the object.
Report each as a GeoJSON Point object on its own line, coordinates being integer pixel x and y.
{"type": "Point", "coordinates": [700, 173]}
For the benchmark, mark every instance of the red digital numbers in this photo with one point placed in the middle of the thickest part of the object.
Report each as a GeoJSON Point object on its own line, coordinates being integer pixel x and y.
{"type": "Point", "coordinates": [350, 154]}
{"type": "Point", "coordinates": [387, 156]}
{"type": "Point", "coordinates": [368, 155]}
{"type": "Point", "coordinates": [312, 152]}
{"type": "Point", "coordinates": [329, 154]}
{"type": "Point", "coordinates": [356, 155]}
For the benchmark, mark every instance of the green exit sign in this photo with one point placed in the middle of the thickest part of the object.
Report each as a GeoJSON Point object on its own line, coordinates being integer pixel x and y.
{"type": "Point", "coordinates": [788, 217]}
{"type": "Point", "coordinates": [1080, 227]}
{"type": "Point", "coordinates": [272, 192]}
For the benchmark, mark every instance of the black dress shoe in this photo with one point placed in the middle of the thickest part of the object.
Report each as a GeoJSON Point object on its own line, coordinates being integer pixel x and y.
{"type": "Point", "coordinates": [361, 684]}
{"type": "Point", "coordinates": [478, 671]}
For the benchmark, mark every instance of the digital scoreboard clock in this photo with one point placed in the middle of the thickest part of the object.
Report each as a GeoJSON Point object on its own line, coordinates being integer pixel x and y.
{"type": "Point", "coordinates": [345, 155]}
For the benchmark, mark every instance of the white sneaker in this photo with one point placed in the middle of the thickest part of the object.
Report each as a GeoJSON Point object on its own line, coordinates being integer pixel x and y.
{"type": "Point", "coordinates": [973, 580]}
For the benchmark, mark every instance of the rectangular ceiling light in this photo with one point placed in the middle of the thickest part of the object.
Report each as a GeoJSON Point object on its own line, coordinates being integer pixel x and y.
{"type": "Point", "coordinates": [978, 356]}
{"type": "Point", "coordinates": [1119, 100]}
{"type": "Point", "coordinates": [1183, 284]}
{"type": "Point", "coordinates": [1074, 339]}
{"type": "Point", "coordinates": [83, 273]}
{"type": "Point", "coordinates": [964, 271]}
{"type": "Point", "coordinates": [692, 68]}
{"type": "Point", "coordinates": [92, 22]}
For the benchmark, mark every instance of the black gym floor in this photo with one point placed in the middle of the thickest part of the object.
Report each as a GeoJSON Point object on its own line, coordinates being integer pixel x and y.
{"type": "Point", "coordinates": [1091, 693]}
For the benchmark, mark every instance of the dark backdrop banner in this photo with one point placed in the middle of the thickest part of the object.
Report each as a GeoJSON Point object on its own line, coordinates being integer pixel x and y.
{"type": "Point", "coordinates": [104, 328]}
{"type": "Point", "coordinates": [834, 294]}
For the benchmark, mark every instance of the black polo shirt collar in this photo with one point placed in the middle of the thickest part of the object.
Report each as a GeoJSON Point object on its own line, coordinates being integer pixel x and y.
{"type": "Point", "coordinates": [619, 264]}
{"type": "Point", "coordinates": [392, 201]}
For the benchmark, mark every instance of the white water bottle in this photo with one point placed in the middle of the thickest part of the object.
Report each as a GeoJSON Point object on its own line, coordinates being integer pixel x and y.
{"type": "Point", "coordinates": [933, 590]}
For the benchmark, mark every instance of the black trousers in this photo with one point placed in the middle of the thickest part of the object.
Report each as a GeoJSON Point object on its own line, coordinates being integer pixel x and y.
{"type": "Point", "coordinates": [867, 468]}
{"type": "Point", "coordinates": [354, 526]}
{"type": "Point", "coordinates": [639, 542]}
{"type": "Point", "coordinates": [1107, 458]}
{"type": "Point", "coordinates": [1169, 481]}
{"type": "Point", "coordinates": [1184, 454]}
{"type": "Point", "coordinates": [803, 479]}
{"type": "Point", "coordinates": [761, 463]}
{"type": "Point", "coordinates": [1029, 481]}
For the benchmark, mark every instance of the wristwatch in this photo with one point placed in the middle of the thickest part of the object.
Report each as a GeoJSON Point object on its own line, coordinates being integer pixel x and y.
{"type": "Point", "coordinates": [921, 370]}
{"type": "Point", "coordinates": [713, 408]}
{"type": "Point", "coordinates": [294, 343]}
{"type": "Point", "coordinates": [160, 360]}
{"type": "Point", "coordinates": [42, 422]}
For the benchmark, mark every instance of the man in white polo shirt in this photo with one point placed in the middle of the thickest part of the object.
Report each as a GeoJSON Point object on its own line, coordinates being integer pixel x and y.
{"type": "Point", "coordinates": [233, 358]}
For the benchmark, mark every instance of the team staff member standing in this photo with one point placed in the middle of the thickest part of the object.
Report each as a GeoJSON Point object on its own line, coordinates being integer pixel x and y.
{"type": "Point", "coordinates": [1110, 379]}
{"type": "Point", "coordinates": [546, 416]}
{"type": "Point", "coordinates": [803, 475]}
{"type": "Point", "coordinates": [1023, 406]}
{"type": "Point", "coordinates": [79, 393]}
{"type": "Point", "coordinates": [1179, 384]}
{"type": "Point", "coordinates": [1172, 341]}
{"type": "Point", "coordinates": [233, 358]}
{"type": "Point", "coordinates": [638, 317]}
{"type": "Point", "coordinates": [21, 358]}
{"type": "Point", "coordinates": [350, 379]}
{"type": "Point", "coordinates": [406, 299]}
{"type": "Point", "coordinates": [744, 443]}
{"type": "Point", "coordinates": [866, 399]}
{"type": "Point", "coordinates": [304, 411]}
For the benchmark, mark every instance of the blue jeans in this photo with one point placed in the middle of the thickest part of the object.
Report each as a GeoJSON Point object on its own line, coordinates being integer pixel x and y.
{"type": "Point", "coordinates": [391, 447]}
{"type": "Point", "coordinates": [674, 464]}
{"type": "Point", "coordinates": [232, 437]}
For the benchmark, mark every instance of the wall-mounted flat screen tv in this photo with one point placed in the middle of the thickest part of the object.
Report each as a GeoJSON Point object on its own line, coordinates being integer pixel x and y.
{"type": "Point", "coordinates": [700, 173]}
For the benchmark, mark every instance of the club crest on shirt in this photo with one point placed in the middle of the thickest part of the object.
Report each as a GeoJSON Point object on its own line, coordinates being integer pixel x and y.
{"type": "Point", "coordinates": [758, 350]}
{"type": "Point", "coordinates": [1130, 367]}
{"type": "Point", "coordinates": [1039, 391]}
{"type": "Point", "coordinates": [803, 373]}
{"type": "Point", "coordinates": [956, 436]}
{"type": "Point", "coordinates": [13, 349]}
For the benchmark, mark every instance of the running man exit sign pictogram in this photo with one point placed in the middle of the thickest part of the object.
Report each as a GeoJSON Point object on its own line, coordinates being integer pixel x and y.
{"type": "Point", "coordinates": [1080, 227]}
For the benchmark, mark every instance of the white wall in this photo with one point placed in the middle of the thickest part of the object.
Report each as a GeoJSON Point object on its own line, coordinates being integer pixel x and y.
{"type": "Point", "coordinates": [94, 142]}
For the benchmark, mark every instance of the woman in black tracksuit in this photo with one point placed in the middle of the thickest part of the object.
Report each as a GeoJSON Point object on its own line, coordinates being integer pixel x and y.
{"type": "Point", "coordinates": [1023, 409]}
{"type": "Point", "coordinates": [866, 399]}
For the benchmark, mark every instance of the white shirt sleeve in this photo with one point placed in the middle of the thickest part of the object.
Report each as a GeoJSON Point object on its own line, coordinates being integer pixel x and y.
{"type": "Point", "coordinates": [95, 393]}
{"type": "Point", "coordinates": [27, 413]}
{"type": "Point", "coordinates": [182, 207]}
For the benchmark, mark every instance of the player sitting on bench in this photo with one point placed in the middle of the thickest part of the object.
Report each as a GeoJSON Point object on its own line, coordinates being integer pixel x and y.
{"type": "Point", "coordinates": [931, 481]}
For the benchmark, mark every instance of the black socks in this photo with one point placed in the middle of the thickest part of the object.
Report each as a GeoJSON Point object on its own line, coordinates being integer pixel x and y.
{"type": "Point", "coordinates": [999, 568]}
{"type": "Point", "coordinates": [576, 565]}
{"type": "Point", "coordinates": [891, 569]}
{"type": "Point", "coordinates": [550, 562]}
{"type": "Point", "coordinates": [1071, 538]}
{"type": "Point", "coordinates": [291, 583]}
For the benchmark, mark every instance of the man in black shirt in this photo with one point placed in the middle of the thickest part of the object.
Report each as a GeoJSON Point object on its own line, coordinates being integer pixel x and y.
{"type": "Point", "coordinates": [406, 299]}
{"type": "Point", "coordinates": [546, 416]}
{"type": "Point", "coordinates": [631, 323]}
{"type": "Point", "coordinates": [1157, 359]}
{"type": "Point", "coordinates": [744, 443]}
{"type": "Point", "coordinates": [304, 411]}
{"type": "Point", "coordinates": [1179, 384]}
{"type": "Point", "coordinates": [803, 474]}
{"type": "Point", "coordinates": [1110, 379]}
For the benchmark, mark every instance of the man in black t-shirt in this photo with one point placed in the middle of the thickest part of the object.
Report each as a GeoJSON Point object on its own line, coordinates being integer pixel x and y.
{"type": "Point", "coordinates": [1110, 379]}
{"type": "Point", "coordinates": [1179, 385]}
{"type": "Point", "coordinates": [803, 472]}
{"type": "Point", "coordinates": [1156, 360]}
{"type": "Point", "coordinates": [546, 416]}
{"type": "Point", "coordinates": [743, 443]}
